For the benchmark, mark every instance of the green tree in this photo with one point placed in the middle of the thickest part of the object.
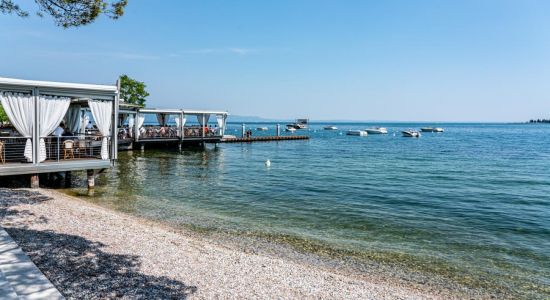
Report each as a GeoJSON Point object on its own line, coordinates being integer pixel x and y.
{"type": "Point", "coordinates": [3, 116]}
{"type": "Point", "coordinates": [132, 91]}
{"type": "Point", "coordinates": [70, 13]}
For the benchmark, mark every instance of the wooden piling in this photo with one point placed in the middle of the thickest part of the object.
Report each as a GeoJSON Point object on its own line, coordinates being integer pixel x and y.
{"type": "Point", "coordinates": [35, 181]}
{"type": "Point", "coordinates": [91, 179]}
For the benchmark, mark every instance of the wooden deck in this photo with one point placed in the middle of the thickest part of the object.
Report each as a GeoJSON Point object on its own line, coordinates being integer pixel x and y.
{"type": "Point", "coordinates": [264, 139]}
{"type": "Point", "coordinates": [8, 169]}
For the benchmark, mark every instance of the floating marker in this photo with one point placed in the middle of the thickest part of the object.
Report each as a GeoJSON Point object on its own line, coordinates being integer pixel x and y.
{"type": "Point", "coordinates": [268, 163]}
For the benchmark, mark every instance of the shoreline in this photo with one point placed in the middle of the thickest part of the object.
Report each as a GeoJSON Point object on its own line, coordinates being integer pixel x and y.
{"type": "Point", "coordinates": [112, 247]}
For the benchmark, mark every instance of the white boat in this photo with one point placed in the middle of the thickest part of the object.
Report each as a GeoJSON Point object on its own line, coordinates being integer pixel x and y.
{"type": "Point", "coordinates": [432, 129]}
{"type": "Point", "coordinates": [411, 133]}
{"type": "Point", "coordinates": [330, 128]}
{"type": "Point", "coordinates": [377, 130]}
{"type": "Point", "coordinates": [262, 129]}
{"type": "Point", "coordinates": [290, 129]}
{"type": "Point", "coordinates": [357, 132]}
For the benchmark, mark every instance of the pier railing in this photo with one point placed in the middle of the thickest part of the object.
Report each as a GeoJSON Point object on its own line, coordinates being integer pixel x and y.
{"type": "Point", "coordinates": [12, 149]}
{"type": "Point", "coordinates": [197, 132]}
{"type": "Point", "coordinates": [158, 132]}
{"type": "Point", "coordinates": [74, 147]}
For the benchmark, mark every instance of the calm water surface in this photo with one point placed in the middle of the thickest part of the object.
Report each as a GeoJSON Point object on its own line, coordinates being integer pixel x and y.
{"type": "Point", "coordinates": [472, 204]}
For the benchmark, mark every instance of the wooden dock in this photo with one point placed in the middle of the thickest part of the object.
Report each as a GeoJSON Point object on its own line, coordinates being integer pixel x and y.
{"type": "Point", "coordinates": [264, 139]}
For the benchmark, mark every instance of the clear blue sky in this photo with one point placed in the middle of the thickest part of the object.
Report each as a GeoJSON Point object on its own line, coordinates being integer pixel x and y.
{"type": "Point", "coordinates": [358, 60]}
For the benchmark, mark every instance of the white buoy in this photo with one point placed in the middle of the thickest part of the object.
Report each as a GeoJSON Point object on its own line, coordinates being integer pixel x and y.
{"type": "Point", "coordinates": [268, 163]}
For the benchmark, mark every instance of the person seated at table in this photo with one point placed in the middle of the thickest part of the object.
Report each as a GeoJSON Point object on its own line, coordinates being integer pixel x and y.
{"type": "Point", "coordinates": [58, 132]}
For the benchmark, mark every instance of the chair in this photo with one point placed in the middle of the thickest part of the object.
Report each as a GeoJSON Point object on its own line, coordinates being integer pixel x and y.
{"type": "Point", "coordinates": [2, 158]}
{"type": "Point", "coordinates": [68, 149]}
{"type": "Point", "coordinates": [81, 147]}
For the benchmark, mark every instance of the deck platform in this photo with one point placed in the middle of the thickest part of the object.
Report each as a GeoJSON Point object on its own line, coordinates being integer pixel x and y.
{"type": "Point", "coordinates": [264, 139]}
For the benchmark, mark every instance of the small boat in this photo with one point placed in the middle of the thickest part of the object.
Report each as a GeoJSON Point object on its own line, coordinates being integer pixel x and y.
{"type": "Point", "coordinates": [432, 129]}
{"type": "Point", "coordinates": [290, 129]}
{"type": "Point", "coordinates": [411, 133]}
{"type": "Point", "coordinates": [357, 132]}
{"type": "Point", "coordinates": [262, 129]}
{"type": "Point", "coordinates": [330, 128]}
{"type": "Point", "coordinates": [377, 130]}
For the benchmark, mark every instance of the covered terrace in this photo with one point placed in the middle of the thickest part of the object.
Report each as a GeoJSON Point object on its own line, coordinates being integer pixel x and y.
{"type": "Point", "coordinates": [56, 126]}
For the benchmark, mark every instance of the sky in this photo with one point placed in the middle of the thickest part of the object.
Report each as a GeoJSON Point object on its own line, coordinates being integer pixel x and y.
{"type": "Point", "coordinates": [327, 60]}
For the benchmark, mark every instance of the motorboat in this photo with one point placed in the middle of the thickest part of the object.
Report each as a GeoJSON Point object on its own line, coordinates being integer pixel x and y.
{"type": "Point", "coordinates": [377, 130]}
{"type": "Point", "coordinates": [432, 129]}
{"type": "Point", "coordinates": [330, 128]}
{"type": "Point", "coordinates": [262, 129]}
{"type": "Point", "coordinates": [357, 132]}
{"type": "Point", "coordinates": [290, 129]}
{"type": "Point", "coordinates": [411, 133]}
{"type": "Point", "coordinates": [299, 124]}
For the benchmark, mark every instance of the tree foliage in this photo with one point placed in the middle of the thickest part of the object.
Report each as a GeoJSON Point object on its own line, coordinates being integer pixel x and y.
{"type": "Point", "coordinates": [70, 13]}
{"type": "Point", "coordinates": [133, 91]}
{"type": "Point", "coordinates": [3, 116]}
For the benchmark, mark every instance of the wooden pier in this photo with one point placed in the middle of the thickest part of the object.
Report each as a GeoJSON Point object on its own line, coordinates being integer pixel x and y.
{"type": "Point", "coordinates": [264, 139]}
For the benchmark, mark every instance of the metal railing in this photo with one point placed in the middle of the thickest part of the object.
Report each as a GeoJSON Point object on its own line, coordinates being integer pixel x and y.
{"type": "Point", "coordinates": [196, 131]}
{"type": "Point", "coordinates": [74, 147]}
{"type": "Point", "coordinates": [12, 149]}
{"type": "Point", "coordinates": [158, 132]}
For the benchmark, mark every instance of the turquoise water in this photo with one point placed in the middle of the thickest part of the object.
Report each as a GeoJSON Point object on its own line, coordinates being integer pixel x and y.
{"type": "Point", "coordinates": [471, 204]}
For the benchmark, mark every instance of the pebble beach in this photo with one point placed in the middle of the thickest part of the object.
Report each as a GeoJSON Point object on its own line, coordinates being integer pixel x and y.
{"type": "Point", "coordinates": [91, 252]}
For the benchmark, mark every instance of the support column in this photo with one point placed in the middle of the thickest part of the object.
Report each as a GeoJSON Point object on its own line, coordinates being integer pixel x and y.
{"type": "Point", "coordinates": [142, 147]}
{"type": "Point", "coordinates": [243, 130]}
{"type": "Point", "coordinates": [91, 179]}
{"type": "Point", "coordinates": [278, 129]}
{"type": "Point", "coordinates": [68, 179]}
{"type": "Point", "coordinates": [35, 182]}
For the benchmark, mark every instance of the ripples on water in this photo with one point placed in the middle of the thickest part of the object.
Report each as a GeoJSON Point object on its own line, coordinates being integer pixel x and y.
{"type": "Point", "coordinates": [472, 203]}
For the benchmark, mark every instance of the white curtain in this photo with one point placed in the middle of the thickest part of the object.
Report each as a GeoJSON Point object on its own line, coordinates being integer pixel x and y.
{"type": "Point", "coordinates": [51, 111]}
{"type": "Point", "coordinates": [131, 122]}
{"type": "Point", "coordinates": [206, 117]}
{"type": "Point", "coordinates": [102, 111]}
{"type": "Point", "coordinates": [20, 110]}
{"type": "Point", "coordinates": [85, 120]}
{"type": "Point", "coordinates": [140, 120]}
{"type": "Point", "coordinates": [73, 119]}
{"type": "Point", "coordinates": [220, 120]}
{"type": "Point", "coordinates": [161, 118]}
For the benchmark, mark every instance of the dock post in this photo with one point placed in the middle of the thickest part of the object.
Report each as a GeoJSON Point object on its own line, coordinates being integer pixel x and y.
{"type": "Point", "coordinates": [142, 146]}
{"type": "Point", "coordinates": [243, 130]}
{"type": "Point", "coordinates": [278, 129]}
{"type": "Point", "coordinates": [68, 179]}
{"type": "Point", "coordinates": [35, 182]}
{"type": "Point", "coordinates": [91, 179]}
{"type": "Point", "coordinates": [179, 147]}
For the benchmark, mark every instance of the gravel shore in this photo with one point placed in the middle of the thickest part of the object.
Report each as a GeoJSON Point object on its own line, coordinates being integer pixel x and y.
{"type": "Point", "coordinates": [94, 253]}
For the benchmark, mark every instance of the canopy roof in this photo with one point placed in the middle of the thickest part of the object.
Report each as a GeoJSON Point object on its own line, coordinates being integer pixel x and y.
{"type": "Point", "coordinates": [53, 84]}
{"type": "Point", "coordinates": [77, 90]}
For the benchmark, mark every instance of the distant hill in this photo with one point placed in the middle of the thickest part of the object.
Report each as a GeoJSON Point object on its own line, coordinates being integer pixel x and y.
{"type": "Point", "coordinates": [248, 119]}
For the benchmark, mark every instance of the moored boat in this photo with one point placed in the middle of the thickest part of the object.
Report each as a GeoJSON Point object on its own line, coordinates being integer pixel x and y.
{"type": "Point", "coordinates": [290, 129]}
{"type": "Point", "coordinates": [330, 128]}
{"type": "Point", "coordinates": [262, 128]}
{"type": "Point", "coordinates": [377, 130]}
{"type": "Point", "coordinates": [357, 132]}
{"type": "Point", "coordinates": [432, 129]}
{"type": "Point", "coordinates": [411, 133]}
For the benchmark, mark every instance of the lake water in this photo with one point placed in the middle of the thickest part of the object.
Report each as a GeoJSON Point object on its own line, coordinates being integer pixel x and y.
{"type": "Point", "coordinates": [471, 204]}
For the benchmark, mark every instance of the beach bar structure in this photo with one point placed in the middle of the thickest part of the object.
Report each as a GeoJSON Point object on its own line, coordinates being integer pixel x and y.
{"type": "Point", "coordinates": [36, 109]}
{"type": "Point", "coordinates": [141, 126]}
